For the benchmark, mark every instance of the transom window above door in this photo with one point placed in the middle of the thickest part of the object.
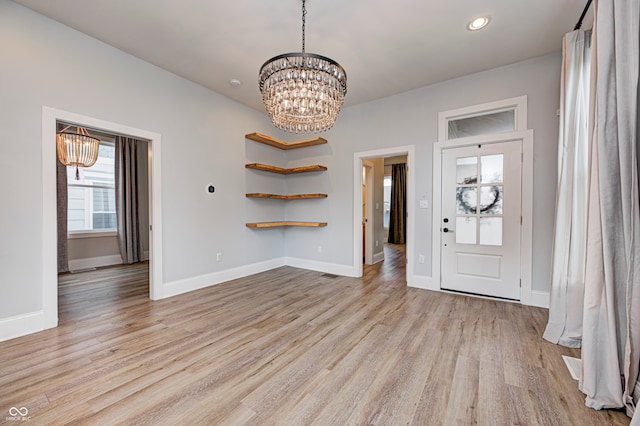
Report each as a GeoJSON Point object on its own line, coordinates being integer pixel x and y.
{"type": "Point", "coordinates": [508, 115]}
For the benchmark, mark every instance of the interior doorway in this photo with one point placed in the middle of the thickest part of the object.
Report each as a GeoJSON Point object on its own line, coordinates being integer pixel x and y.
{"type": "Point", "coordinates": [50, 117]}
{"type": "Point", "coordinates": [365, 202]}
{"type": "Point", "coordinates": [90, 219]}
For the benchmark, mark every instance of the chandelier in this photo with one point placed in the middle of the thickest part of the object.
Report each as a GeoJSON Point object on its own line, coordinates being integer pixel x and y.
{"type": "Point", "coordinates": [78, 148]}
{"type": "Point", "coordinates": [303, 92]}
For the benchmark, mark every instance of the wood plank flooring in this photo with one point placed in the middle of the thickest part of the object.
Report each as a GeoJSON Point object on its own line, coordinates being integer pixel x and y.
{"type": "Point", "coordinates": [289, 347]}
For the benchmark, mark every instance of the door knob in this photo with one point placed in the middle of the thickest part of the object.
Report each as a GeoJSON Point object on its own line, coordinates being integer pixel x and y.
{"type": "Point", "coordinates": [447, 230]}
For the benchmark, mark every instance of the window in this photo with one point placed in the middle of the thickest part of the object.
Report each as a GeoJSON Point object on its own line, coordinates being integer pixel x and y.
{"type": "Point", "coordinates": [492, 122]}
{"type": "Point", "coordinates": [92, 199]}
{"type": "Point", "coordinates": [387, 201]}
{"type": "Point", "coordinates": [507, 115]}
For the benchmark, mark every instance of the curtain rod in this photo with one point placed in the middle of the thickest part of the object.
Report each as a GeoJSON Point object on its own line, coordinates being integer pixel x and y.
{"type": "Point", "coordinates": [584, 12]}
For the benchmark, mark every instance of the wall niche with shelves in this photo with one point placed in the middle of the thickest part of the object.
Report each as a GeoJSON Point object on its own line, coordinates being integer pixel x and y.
{"type": "Point", "coordinates": [275, 143]}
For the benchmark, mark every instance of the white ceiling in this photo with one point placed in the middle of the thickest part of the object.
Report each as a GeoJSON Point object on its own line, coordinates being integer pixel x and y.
{"type": "Point", "coordinates": [386, 47]}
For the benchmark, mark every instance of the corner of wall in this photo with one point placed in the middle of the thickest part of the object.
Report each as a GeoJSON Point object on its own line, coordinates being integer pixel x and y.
{"type": "Point", "coordinates": [195, 283]}
{"type": "Point", "coordinates": [21, 325]}
{"type": "Point", "coordinates": [423, 282]}
{"type": "Point", "coordinates": [313, 265]}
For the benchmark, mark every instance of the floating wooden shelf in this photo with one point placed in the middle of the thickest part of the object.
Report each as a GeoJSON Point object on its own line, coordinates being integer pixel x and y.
{"type": "Point", "coordinates": [285, 197]}
{"type": "Point", "coordinates": [285, 223]}
{"type": "Point", "coordinates": [268, 140]}
{"type": "Point", "coordinates": [280, 170]}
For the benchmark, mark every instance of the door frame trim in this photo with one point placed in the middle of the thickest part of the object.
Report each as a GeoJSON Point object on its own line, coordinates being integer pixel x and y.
{"type": "Point", "coordinates": [368, 236]}
{"type": "Point", "coordinates": [526, 240]}
{"type": "Point", "coordinates": [358, 158]}
{"type": "Point", "coordinates": [49, 210]}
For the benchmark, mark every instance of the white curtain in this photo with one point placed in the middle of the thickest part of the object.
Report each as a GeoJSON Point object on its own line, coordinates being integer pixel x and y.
{"type": "Point", "coordinates": [570, 233]}
{"type": "Point", "coordinates": [611, 317]}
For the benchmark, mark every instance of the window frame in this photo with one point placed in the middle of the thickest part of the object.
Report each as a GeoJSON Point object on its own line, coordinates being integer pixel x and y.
{"type": "Point", "coordinates": [93, 233]}
{"type": "Point", "coordinates": [518, 105]}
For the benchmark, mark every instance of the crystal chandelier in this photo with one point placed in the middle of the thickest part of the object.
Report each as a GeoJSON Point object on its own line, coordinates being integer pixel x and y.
{"type": "Point", "coordinates": [303, 92]}
{"type": "Point", "coordinates": [78, 148]}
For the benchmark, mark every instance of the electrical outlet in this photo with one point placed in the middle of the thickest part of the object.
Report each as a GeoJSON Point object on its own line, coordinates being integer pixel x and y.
{"type": "Point", "coordinates": [319, 249]}
{"type": "Point", "coordinates": [218, 257]}
{"type": "Point", "coordinates": [421, 258]}
{"type": "Point", "coordinates": [376, 243]}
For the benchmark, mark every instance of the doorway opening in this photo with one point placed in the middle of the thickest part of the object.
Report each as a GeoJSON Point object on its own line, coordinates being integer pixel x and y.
{"type": "Point", "coordinates": [50, 117]}
{"type": "Point", "coordinates": [369, 234]}
{"type": "Point", "coordinates": [103, 220]}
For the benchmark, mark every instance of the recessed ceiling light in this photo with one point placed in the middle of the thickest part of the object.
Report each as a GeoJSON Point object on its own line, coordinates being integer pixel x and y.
{"type": "Point", "coordinates": [477, 23]}
{"type": "Point", "coordinates": [235, 82]}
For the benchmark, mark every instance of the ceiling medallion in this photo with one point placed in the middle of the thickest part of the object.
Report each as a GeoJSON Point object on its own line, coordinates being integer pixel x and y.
{"type": "Point", "coordinates": [303, 92]}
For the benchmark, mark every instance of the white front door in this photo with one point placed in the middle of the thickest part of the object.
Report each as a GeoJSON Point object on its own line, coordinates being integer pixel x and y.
{"type": "Point", "coordinates": [481, 219]}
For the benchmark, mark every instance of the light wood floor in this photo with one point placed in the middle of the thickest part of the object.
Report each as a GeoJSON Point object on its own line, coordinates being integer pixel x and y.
{"type": "Point", "coordinates": [290, 347]}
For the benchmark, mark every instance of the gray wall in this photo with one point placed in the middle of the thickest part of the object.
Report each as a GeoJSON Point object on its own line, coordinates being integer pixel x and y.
{"type": "Point", "coordinates": [91, 248]}
{"type": "Point", "coordinates": [203, 141]}
{"type": "Point", "coordinates": [411, 119]}
{"type": "Point", "coordinates": [46, 63]}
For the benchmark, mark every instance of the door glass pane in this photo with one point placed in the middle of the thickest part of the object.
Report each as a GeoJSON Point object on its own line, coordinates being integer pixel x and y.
{"type": "Point", "coordinates": [466, 199]}
{"type": "Point", "coordinates": [491, 199]}
{"type": "Point", "coordinates": [467, 170]}
{"type": "Point", "coordinates": [494, 122]}
{"type": "Point", "coordinates": [491, 168]}
{"type": "Point", "coordinates": [491, 231]}
{"type": "Point", "coordinates": [466, 230]}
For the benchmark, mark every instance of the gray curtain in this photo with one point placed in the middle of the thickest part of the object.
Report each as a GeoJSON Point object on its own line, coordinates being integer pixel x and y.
{"type": "Point", "coordinates": [398, 208]}
{"type": "Point", "coordinates": [611, 317]}
{"type": "Point", "coordinates": [128, 212]}
{"type": "Point", "coordinates": [61, 183]}
{"type": "Point", "coordinates": [570, 229]}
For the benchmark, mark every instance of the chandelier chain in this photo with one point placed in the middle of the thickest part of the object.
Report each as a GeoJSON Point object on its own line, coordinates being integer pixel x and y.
{"type": "Point", "coordinates": [304, 20]}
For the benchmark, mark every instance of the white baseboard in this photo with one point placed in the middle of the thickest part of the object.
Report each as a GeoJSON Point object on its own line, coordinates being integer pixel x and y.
{"type": "Point", "coordinates": [314, 265]}
{"type": "Point", "coordinates": [195, 283]}
{"type": "Point", "coordinates": [378, 257]}
{"type": "Point", "coordinates": [97, 262]}
{"type": "Point", "coordinates": [540, 299]}
{"type": "Point", "coordinates": [21, 325]}
{"type": "Point", "coordinates": [423, 282]}
{"type": "Point", "coordinates": [94, 262]}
